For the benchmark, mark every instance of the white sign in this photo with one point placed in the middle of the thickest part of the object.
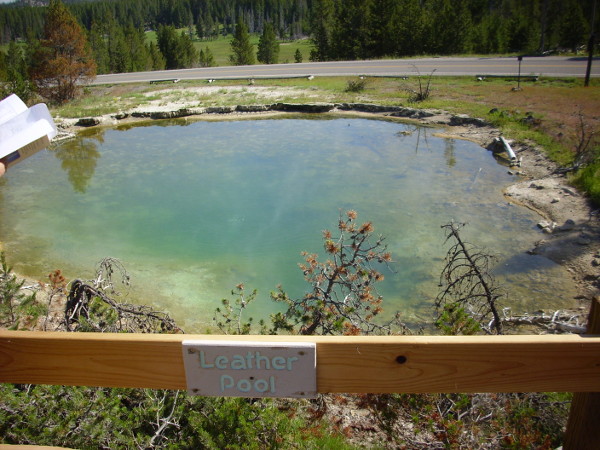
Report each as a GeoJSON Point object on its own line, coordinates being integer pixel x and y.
{"type": "Point", "coordinates": [250, 369]}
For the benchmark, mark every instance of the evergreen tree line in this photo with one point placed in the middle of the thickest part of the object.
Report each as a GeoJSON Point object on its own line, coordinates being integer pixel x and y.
{"type": "Point", "coordinates": [340, 29]}
{"type": "Point", "coordinates": [290, 18]}
{"type": "Point", "coordinates": [343, 29]}
{"type": "Point", "coordinates": [360, 29]}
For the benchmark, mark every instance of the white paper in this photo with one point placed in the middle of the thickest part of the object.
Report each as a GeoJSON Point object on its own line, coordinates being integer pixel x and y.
{"type": "Point", "coordinates": [24, 127]}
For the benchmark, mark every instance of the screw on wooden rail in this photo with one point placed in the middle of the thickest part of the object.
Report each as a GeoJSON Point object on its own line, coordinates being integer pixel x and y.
{"type": "Point", "coordinates": [401, 359]}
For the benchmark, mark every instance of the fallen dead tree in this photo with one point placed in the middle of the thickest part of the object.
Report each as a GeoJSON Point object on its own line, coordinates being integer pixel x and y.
{"type": "Point", "coordinates": [560, 321]}
{"type": "Point", "coordinates": [91, 307]}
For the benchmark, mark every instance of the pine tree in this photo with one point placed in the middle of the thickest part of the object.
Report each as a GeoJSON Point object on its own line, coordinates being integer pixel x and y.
{"type": "Point", "coordinates": [322, 19]}
{"type": "Point", "coordinates": [178, 50]}
{"type": "Point", "coordinates": [157, 61]}
{"type": "Point", "coordinates": [268, 47]}
{"type": "Point", "coordinates": [14, 68]}
{"type": "Point", "coordinates": [99, 47]}
{"type": "Point", "coordinates": [118, 53]}
{"type": "Point", "coordinates": [298, 56]}
{"type": "Point", "coordinates": [207, 58]}
{"type": "Point", "coordinates": [63, 61]}
{"type": "Point", "coordinates": [243, 50]}
{"type": "Point", "coordinates": [573, 28]}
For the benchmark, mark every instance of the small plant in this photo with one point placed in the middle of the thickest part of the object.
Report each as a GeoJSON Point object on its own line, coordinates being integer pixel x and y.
{"type": "Point", "coordinates": [586, 148]}
{"type": "Point", "coordinates": [228, 318]}
{"type": "Point", "coordinates": [454, 321]}
{"type": "Point", "coordinates": [356, 85]}
{"type": "Point", "coordinates": [343, 299]}
{"type": "Point", "coordinates": [424, 89]}
{"type": "Point", "coordinates": [15, 306]}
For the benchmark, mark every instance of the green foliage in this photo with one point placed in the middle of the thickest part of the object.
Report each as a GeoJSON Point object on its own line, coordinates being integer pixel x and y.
{"type": "Point", "coordinates": [177, 49]}
{"type": "Point", "coordinates": [243, 50]}
{"type": "Point", "coordinates": [343, 298]}
{"type": "Point", "coordinates": [344, 30]}
{"type": "Point", "coordinates": [268, 47]}
{"type": "Point", "coordinates": [423, 91]}
{"type": "Point", "coordinates": [454, 321]}
{"type": "Point", "coordinates": [588, 179]}
{"type": "Point", "coordinates": [228, 318]}
{"type": "Point", "coordinates": [79, 417]}
{"type": "Point", "coordinates": [14, 72]}
{"type": "Point", "coordinates": [207, 58]}
{"type": "Point", "coordinates": [298, 56]}
{"type": "Point", "coordinates": [515, 421]}
{"type": "Point", "coordinates": [356, 85]}
{"type": "Point", "coordinates": [16, 308]}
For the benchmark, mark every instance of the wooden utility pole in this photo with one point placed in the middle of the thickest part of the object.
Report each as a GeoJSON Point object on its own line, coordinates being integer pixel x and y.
{"type": "Point", "coordinates": [583, 428]}
{"type": "Point", "coordinates": [591, 45]}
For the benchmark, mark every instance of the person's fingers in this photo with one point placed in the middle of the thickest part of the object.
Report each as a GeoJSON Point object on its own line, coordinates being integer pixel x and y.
{"type": "Point", "coordinates": [2, 169]}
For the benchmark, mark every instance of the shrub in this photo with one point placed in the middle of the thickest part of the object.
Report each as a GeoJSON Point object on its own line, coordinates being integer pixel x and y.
{"type": "Point", "coordinates": [356, 85]}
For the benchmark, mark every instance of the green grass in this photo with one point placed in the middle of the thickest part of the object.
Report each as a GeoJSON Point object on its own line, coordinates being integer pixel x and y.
{"type": "Point", "coordinates": [221, 47]}
{"type": "Point", "coordinates": [588, 180]}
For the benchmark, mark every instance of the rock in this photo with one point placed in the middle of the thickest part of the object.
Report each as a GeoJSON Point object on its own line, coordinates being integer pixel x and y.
{"type": "Point", "coordinates": [87, 122]}
{"type": "Point", "coordinates": [411, 113]}
{"type": "Point", "coordinates": [368, 107]}
{"type": "Point", "coordinates": [463, 119]}
{"type": "Point", "coordinates": [251, 108]}
{"type": "Point", "coordinates": [121, 116]}
{"type": "Point", "coordinates": [546, 227]}
{"type": "Point", "coordinates": [531, 121]}
{"type": "Point", "coordinates": [555, 200]}
{"type": "Point", "coordinates": [220, 109]}
{"type": "Point", "coordinates": [303, 108]}
{"type": "Point", "coordinates": [567, 226]}
{"type": "Point", "coordinates": [544, 224]}
{"type": "Point", "coordinates": [583, 240]}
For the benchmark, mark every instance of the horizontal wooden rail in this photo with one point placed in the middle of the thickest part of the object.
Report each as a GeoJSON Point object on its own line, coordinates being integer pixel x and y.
{"type": "Point", "coordinates": [409, 364]}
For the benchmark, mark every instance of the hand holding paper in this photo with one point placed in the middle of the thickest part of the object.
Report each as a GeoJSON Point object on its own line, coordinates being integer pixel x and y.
{"type": "Point", "coordinates": [23, 131]}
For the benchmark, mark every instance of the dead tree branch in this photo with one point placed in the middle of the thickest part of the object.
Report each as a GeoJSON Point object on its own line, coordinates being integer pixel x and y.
{"type": "Point", "coordinates": [467, 281]}
{"type": "Point", "coordinates": [90, 306]}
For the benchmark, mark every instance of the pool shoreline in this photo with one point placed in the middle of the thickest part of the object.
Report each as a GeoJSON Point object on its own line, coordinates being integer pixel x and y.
{"type": "Point", "coordinates": [533, 189]}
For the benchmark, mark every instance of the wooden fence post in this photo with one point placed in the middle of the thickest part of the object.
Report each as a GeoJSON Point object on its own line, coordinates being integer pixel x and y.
{"type": "Point", "coordinates": [583, 427]}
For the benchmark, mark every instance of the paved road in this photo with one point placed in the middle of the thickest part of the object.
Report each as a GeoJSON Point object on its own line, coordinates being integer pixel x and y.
{"type": "Point", "coordinates": [550, 66]}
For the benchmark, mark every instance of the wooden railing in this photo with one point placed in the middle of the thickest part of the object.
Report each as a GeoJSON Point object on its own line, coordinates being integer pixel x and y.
{"type": "Point", "coordinates": [356, 364]}
{"type": "Point", "coordinates": [414, 364]}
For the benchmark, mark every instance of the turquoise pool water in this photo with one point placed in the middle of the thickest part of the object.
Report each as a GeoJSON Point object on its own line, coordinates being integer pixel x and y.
{"type": "Point", "coordinates": [194, 208]}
